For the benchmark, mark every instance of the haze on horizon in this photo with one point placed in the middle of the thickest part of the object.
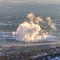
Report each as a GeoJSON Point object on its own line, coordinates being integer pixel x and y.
{"type": "Point", "coordinates": [29, 1]}
{"type": "Point", "coordinates": [17, 7]}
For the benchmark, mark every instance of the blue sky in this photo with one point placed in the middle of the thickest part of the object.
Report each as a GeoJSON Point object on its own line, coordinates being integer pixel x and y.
{"type": "Point", "coordinates": [29, 1]}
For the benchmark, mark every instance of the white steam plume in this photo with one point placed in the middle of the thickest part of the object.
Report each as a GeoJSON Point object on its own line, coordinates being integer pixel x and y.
{"type": "Point", "coordinates": [31, 31]}
{"type": "Point", "coordinates": [50, 23]}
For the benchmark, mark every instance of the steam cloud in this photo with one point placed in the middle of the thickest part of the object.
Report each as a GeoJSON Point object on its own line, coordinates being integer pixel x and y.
{"type": "Point", "coordinates": [32, 31]}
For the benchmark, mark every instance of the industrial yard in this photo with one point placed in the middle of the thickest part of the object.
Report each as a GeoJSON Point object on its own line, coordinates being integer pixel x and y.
{"type": "Point", "coordinates": [29, 51]}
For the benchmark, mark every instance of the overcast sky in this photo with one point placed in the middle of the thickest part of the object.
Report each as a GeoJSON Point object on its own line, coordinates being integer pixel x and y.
{"type": "Point", "coordinates": [29, 1]}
